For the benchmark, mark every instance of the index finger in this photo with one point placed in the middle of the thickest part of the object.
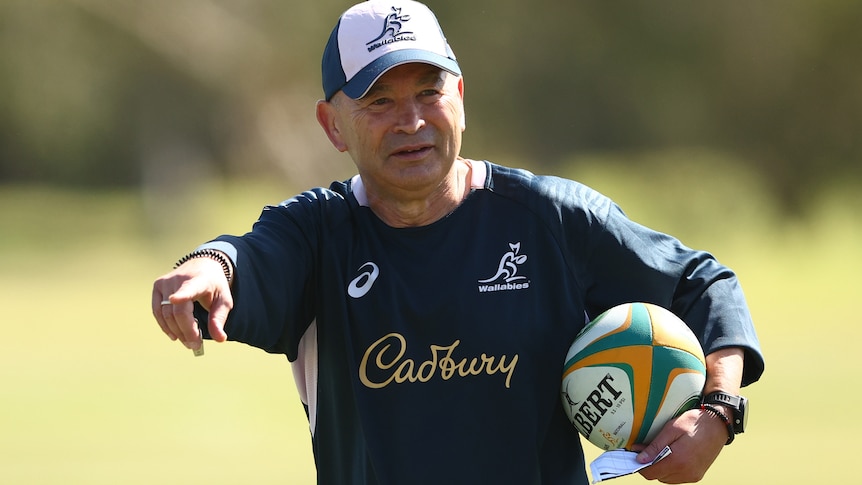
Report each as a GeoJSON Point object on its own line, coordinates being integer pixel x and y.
{"type": "Point", "coordinates": [181, 314]}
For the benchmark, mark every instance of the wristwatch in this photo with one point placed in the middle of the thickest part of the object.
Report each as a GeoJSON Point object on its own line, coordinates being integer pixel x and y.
{"type": "Point", "coordinates": [736, 423]}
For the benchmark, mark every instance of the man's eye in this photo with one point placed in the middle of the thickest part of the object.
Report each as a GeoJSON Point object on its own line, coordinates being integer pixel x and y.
{"type": "Point", "coordinates": [379, 101]}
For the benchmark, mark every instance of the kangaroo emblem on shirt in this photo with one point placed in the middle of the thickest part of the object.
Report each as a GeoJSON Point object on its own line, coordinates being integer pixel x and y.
{"type": "Point", "coordinates": [508, 268]}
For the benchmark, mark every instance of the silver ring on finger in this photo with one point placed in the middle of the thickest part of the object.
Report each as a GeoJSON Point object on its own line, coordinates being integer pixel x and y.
{"type": "Point", "coordinates": [166, 302]}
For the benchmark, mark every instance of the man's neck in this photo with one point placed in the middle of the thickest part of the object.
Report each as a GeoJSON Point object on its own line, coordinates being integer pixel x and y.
{"type": "Point", "coordinates": [424, 209]}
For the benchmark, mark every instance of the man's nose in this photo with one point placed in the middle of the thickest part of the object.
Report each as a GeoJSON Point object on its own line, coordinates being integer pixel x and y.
{"type": "Point", "coordinates": [409, 117]}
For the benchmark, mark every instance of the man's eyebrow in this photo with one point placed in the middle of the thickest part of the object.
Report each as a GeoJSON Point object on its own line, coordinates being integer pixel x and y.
{"type": "Point", "coordinates": [376, 89]}
{"type": "Point", "coordinates": [437, 76]}
{"type": "Point", "coordinates": [434, 76]}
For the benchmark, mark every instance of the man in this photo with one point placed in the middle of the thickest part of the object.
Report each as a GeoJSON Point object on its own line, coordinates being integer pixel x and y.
{"type": "Point", "coordinates": [427, 303]}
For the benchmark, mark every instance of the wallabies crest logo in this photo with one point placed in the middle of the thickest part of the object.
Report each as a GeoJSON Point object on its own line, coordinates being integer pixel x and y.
{"type": "Point", "coordinates": [392, 25]}
{"type": "Point", "coordinates": [507, 276]}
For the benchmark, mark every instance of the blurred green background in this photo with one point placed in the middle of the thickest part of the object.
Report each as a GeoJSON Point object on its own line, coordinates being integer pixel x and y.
{"type": "Point", "coordinates": [131, 131]}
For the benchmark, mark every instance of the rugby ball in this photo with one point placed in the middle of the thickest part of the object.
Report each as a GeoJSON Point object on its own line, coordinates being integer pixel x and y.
{"type": "Point", "coordinates": [630, 371]}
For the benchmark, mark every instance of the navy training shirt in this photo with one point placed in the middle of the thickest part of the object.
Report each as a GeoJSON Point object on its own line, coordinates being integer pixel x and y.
{"type": "Point", "coordinates": [434, 354]}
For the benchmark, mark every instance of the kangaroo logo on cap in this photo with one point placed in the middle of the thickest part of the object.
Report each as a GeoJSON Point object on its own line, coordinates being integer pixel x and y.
{"type": "Point", "coordinates": [392, 25]}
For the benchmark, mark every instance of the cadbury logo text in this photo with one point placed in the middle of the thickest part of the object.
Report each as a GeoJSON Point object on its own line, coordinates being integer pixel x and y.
{"type": "Point", "coordinates": [385, 360]}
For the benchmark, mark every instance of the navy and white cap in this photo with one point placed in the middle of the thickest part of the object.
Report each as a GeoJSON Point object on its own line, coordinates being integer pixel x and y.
{"type": "Point", "coordinates": [373, 37]}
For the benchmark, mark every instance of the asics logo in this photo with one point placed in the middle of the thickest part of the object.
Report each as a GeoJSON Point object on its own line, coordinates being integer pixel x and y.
{"type": "Point", "coordinates": [362, 283]}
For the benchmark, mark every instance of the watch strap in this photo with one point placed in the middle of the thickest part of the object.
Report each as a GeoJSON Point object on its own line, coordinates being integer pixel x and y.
{"type": "Point", "coordinates": [736, 404]}
{"type": "Point", "coordinates": [723, 399]}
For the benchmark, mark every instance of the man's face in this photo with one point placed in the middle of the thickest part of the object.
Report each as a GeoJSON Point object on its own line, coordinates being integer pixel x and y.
{"type": "Point", "coordinates": [405, 134]}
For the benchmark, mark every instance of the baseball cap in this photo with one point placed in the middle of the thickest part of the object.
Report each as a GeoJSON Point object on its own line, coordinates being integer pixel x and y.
{"type": "Point", "coordinates": [372, 37]}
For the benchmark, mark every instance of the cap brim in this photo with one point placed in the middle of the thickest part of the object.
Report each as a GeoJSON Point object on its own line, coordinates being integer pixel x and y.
{"type": "Point", "coordinates": [358, 87]}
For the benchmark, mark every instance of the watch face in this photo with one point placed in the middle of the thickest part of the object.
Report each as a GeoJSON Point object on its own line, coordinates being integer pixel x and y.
{"type": "Point", "coordinates": [743, 413]}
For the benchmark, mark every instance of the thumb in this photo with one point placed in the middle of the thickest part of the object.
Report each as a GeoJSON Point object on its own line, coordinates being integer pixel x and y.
{"type": "Point", "coordinates": [670, 432]}
{"type": "Point", "coordinates": [649, 452]}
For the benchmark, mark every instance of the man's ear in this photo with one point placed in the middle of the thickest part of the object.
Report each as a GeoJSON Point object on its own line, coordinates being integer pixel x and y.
{"type": "Point", "coordinates": [463, 111]}
{"type": "Point", "coordinates": [328, 119]}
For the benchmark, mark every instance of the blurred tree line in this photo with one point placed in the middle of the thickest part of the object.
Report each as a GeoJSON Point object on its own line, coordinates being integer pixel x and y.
{"type": "Point", "coordinates": [128, 92]}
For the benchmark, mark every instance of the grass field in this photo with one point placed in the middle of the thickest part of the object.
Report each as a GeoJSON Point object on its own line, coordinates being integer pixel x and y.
{"type": "Point", "coordinates": [91, 392]}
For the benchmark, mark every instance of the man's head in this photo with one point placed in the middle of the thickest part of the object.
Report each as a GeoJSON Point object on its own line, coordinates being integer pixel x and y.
{"type": "Point", "coordinates": [373, 37]}
{"type": "Point", "coordinates": [394, 98]}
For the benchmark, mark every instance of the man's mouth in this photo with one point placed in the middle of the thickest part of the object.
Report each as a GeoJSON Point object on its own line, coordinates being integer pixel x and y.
{"type": "Point", "coordinates": [410, 152]}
